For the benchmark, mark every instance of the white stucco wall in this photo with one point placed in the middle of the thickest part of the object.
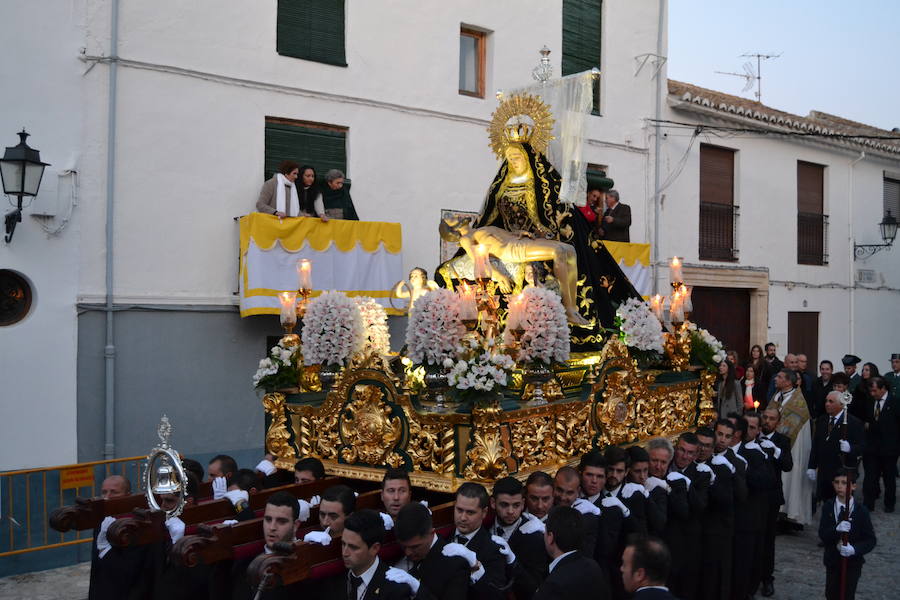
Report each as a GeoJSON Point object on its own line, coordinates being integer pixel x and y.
{"type": "Point", "coordinates": [42, 92]}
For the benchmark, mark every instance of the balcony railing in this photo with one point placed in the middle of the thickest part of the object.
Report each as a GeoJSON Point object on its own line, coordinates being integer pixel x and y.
{"type": "Point", "coordinates": [812, 239]}
{"type": "Point", "coordinates": [718, 231]}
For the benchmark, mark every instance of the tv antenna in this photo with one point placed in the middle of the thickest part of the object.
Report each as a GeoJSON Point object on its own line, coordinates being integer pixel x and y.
{"type": "Point", "coordinates": [752, 74]}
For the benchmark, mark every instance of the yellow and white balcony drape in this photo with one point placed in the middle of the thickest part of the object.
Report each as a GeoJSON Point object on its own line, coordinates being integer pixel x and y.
{"type": "Point", "coordinates": [359, 258]}
{"type": "Point", "coordinates": [634, 260]}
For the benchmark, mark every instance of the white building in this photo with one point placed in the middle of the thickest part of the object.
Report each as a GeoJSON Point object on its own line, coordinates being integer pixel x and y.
{"type": "Point", "coordinates": [196, 92]}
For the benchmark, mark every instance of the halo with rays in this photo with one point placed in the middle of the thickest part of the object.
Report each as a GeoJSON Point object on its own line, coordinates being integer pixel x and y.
{"type": "Point", "coordinates": [513, 109]}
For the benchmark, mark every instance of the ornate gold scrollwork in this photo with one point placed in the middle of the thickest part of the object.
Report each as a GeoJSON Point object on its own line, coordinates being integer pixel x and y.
{"type": "Point", "coordinates": [488, 454]}
{"type": "Point", "coordinates": [573, 429]}
{"type": "Point", "coordinates": [532, 440]}
{"type": "Point", "coordinates": [707, 407]}
{"type": "Point", "coordinates": [368, 428]}
{"type": "Point", "coordinates": [277, 435]}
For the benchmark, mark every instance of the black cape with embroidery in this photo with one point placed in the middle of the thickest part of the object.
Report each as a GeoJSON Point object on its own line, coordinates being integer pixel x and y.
{"type": "Point", "coordinates": [602, 285]}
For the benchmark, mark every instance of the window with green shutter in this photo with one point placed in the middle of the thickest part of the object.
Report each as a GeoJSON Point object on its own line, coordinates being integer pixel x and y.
{"type": "Point", "coordinates": [581, 40]}
{"type": "Point", "coordinates": [312, 30]}
{"type": "Point", "coordinates": [322, 146]}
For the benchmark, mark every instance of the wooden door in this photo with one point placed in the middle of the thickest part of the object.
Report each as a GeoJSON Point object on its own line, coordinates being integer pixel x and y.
{"type": "Point", "coordinates": [725, 312]}
{"type": "Point", "coordinates": [803, 337]}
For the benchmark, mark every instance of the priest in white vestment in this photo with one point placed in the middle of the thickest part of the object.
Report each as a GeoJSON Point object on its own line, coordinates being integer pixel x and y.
{"type": "Point", "coordinates": [795, 424]}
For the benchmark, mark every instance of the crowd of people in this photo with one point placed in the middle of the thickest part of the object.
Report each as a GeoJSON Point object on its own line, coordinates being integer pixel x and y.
{"type": "Point", "coordinates": [693, 520]}
{"type": "Point", "coordinates": [295, 192]}
{"type": "Point", "coordinates": [609, 218]}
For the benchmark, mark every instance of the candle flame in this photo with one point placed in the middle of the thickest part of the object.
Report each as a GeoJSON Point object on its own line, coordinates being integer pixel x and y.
{"type": "Point", "coordinates": [675, 261]}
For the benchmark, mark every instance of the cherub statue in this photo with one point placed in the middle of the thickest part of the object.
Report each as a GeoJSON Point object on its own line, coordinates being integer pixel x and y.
{"type": "Point", "coordinates": [520, 248]}
{"type": "Point", "coordinates": [415, 287]}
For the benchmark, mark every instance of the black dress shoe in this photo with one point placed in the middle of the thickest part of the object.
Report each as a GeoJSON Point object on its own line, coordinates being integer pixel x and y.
{"type": "Point", "coordinates": [768, 589]}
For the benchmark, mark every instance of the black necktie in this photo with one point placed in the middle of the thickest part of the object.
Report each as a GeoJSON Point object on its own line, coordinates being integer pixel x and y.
{"type": "Point", "coordinates": [500, 531]}
{"type": "Point", "coordinates": [877, 409]}
{"type": "Point", "coordinates": [830, 425]}
{"type": "Point", "coordinates": [461, 539]}
{"type": "Point", "coordinates": [353, 584]}
{"type": "Point", "coordinates": [414, 569]}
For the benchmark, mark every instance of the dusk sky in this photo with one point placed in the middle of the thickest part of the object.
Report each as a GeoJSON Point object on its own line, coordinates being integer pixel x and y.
{"type": "Point", "coordinates": [838, 57]}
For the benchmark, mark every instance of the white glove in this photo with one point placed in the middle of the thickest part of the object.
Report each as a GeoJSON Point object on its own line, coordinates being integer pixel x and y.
{"type": "Point", "coordinates": [585, 507]}
{"type": "Point", "coordinates": [612, 501]}
{"type": "Point", "coordinates": [454, 549]}
{"type": "Point", "coordinates": [505, 550]}
{"type": "Point", "coordinates": [103, 545]}
{"type": "Point", "coordinates": [237, 496]}
{"type": "Point", "coordinates": [704, 468]}
{"type": "Point", "coordinates": [846, 551]}
{"type": "Point", "coordinates": [655, 482]}
{"type": "Point", "coordinates": [304, 510]}
{"type": "Point", "coordinates": [318, 537]}
{"type": "Point", "coordinates": [176, 528]}
{"type": "Point", "coordinates": [843, 527]}
{"type": "Point", "coordinates": [230, 522]}
{"type": "Point", "coordinates": [845, 446]}
{"type": "Point", "coordinates": [219, 487]}
{"type": "Point", "coordinates": [811, 474]}
{"type": "Point", "coordinates": [477, 574]}
{"type": "Point", "coordinates": [388, 521]}
{"type": "Point", "coordinates": [755, 446]}
{"type": "Point", "coordinates": [398, 576]}
{"type": "Point", "coordinates": [675, 476]}
{"type": "Point", "coordinates": [722, 462]}
{"type": "Point", "coordinates": [315, 500]}
{"type": "Point", "coordinates": [425, 504]}
{"type": "Point", "coordinates": [266, 467]}
{"type": "Point", "coordinates": [532, 526]}
{"type": "Point", "coordinates": [630, 489]}
{"type": "Point", "coordinates": [767, 443]}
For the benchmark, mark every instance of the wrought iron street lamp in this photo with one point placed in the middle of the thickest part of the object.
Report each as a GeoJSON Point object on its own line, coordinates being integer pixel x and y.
{"type": "Point", "coordinates": [21, 170]}
{"type": "Point", "coordinates": [888, 228]}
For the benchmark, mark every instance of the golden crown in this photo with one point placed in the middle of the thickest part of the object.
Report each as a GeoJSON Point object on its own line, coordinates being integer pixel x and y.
{"type": "Point", "coordinates": [518, 132]}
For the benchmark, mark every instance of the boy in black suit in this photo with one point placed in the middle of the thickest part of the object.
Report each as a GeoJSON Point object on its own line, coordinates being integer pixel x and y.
{"type": "Point", "coordinates": [572, 575]}
{"type": "Point", "coordinates": [365, 577]}
{"type": "Point", "coordinates": [838, 519]}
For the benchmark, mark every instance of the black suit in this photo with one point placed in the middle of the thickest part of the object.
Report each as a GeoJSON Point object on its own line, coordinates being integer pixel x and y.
{"type": "Point", "coordinates": [657, 511]}
{"type": "Point", "coordinates": [718, 531]}
{"type": "Point", "coordinates": [653, 594]}
{"type": "Point", "coordinates": [820, 390]}
{"type": "Point", "coordinates": [606, 547]}
{"type": "Point", "coordinates": [684, 535]}
{"type": "Point", "coordinates": [441, 577]}
{"type": "Point", "coordinates": [574, 577]}
{"type": "Point", "coordinates": [119, 574]}
{"type": "Point", "coordinates": [783, 464]}
{"type": "Point", "coordinates": [532, 560]}
{"type": "Point", "coordinates": [617, 231]}
{"type": "Point", "coordinates": [493, 584]}
{"type": "Point", "coordinates": [379, 588]}
{"type": "Point", "coordinates": [881, 451]}
{"type": "Point", "coordinates": [862, 538]}
{"type": "Point", "coordinates": [826, 456]}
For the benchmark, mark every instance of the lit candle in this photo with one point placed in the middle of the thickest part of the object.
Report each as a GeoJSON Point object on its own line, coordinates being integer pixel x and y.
{"type": "Point", "coordinates": [304, 274]}
{"type": "Point", "coordinates": [755, 404]}
{"type": "Point", "coordinates": [677, 307]}
{"type": "Point", "coordinates": [686, 298]}
{"type": "Point", "coordinates": [288, 307]}
{"type": "Point", "coordinates": [675, 270]}
{"type": "Point", "coordinates": [482, 265]}
{"type": "Point", "coordinates": [514, 317]}
{"type": "Point", "coordinates": [469, 308]}
{"type": "Point", "coordinates": [656, 306]}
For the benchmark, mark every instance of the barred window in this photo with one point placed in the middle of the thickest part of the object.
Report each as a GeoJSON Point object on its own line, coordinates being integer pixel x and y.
{"type": "Point", "coordinates": [718, 214]}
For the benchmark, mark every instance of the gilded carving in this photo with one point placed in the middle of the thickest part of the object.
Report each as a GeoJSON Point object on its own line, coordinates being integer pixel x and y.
{"type": "Point", "coordinates": [573, 429]}
{"type": "Point", "coordinates": [532, 440]}
{"type": "Point", "coordinates": [368, 429]}
{"type": "Point", "coordinates": [277, 435]}
{"type": "Point", "coordinates": [488, 454]}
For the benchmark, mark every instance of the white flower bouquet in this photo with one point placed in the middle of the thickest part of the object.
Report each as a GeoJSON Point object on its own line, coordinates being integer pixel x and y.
{"type": "Point", "coordinates": [434, 329]}
{"type": "Point", "coordinates": [479, 367]}
{"type": "Point", "coordinates": [706, 350]}
{"type": "Point", "coordinates": [278, 370]}
{"type": "Point", "coordinates": [376, 338]}
{"type": "Point", "coordinates": [640, 328]}
{"type": "Point", "coordinates": [545, 330]}
{"type": "Point", "coordinates": [332, 330]}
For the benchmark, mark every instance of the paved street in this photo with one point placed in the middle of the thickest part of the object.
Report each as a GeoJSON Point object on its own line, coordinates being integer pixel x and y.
{"type": "Point", "coordinates": [799, 574]}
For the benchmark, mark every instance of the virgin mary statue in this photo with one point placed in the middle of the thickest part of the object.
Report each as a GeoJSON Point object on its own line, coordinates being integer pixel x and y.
{"type": "Point", "coordinates": [524, 199]}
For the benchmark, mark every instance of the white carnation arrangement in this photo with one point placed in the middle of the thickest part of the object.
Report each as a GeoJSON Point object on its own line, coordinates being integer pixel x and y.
{"type": "Point", "coordinates": [705, 348]}
{"type": "Point", "coordinates": [278, 369]}
{"type": "Point", "coordinates": [545, 329]}
{"type": "Point", "coordinates": [639, 326]}
{"type": "Point", "coordinates": [434, 328]}
{"type": "Point", "coordinates": [332, 330]}
{"type": "Point", "coordinates": [376, 338]}
{"type": "Point", "coordinates": [479, 367]}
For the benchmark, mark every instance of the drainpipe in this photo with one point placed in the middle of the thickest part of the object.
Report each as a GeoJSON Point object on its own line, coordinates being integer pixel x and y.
{"type": "Point", "coordinates": [850, 274]}
{"type": "Point", "coordinates": [109, 350]}
{"type": "Point", "coordinates": [657, 144]}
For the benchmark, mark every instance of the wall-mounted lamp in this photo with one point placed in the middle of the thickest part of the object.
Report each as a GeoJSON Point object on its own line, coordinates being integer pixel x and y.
{"type": "Point", "coordinates": [888, 228]}
{"type": "Point", "coordinates": [21, 170]}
